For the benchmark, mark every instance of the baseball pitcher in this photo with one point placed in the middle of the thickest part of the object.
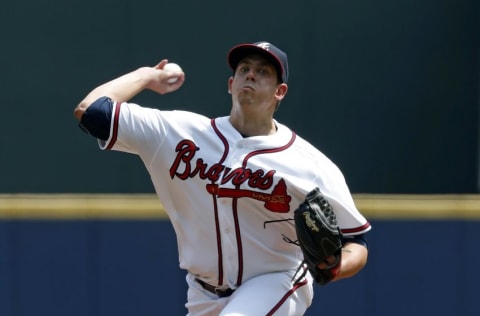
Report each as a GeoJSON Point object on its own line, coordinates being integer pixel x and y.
{"type": "Point", "coordinates": [260, 214]}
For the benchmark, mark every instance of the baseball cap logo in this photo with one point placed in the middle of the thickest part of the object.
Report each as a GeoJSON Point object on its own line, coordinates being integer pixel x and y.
{"type": "Point", "coordinates": [264, 45]}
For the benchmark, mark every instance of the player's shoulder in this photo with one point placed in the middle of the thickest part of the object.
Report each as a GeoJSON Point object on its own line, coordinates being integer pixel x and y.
{"type": "Point", "coordinates": [134, 107]}
{"type": "Point", "coordinates": [311, 154]}
{"type": "Point", "coordinates": [186, 115]}
{"type": "Point", "coordinates": [308, 148]}
{"type": "Point", "coordinates": [182, 118]}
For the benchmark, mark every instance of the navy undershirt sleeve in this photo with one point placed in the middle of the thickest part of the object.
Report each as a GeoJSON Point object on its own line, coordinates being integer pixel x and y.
{"type": "Point", "coordinates": [97, 118]}
{"type": "Point", "coordinates": [358, 239]}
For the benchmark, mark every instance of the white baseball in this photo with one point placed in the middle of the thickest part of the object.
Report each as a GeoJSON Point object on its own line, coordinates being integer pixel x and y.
{"type": "Point", "coordinates": [172, 67]}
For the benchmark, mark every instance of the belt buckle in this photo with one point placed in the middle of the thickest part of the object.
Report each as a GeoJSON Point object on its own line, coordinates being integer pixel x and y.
{"type": "Point", "coordinates": [215, 289]}
{"type": "Point", "coordinates": [223, 292]}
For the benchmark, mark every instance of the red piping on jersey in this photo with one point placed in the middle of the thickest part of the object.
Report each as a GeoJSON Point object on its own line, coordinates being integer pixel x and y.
{"type": "Point", "coordinates": [223, 139]}
{"type": "Point", "coordinates": [234, 204]}
{"type": "Point", "coordinates": [217, 222]}
{"type": "Point", "coordinates": [269, 151]}
{"type": "Point", "coordinates": [116, 115]}
{"type": "Point", "coordinates": [286, 296]}
{"type": "Point", "coordinates": [238, 237]}
{"type": "Point", "coordinates": [219, 242]}
{"type": "Point", "coordinates": [235, 201]}
{"type": "Point", "coordinates": [356, 229]}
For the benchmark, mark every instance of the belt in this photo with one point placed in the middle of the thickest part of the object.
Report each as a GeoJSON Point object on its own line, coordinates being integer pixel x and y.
{"type": "Point", "coordinates": [215, 290]}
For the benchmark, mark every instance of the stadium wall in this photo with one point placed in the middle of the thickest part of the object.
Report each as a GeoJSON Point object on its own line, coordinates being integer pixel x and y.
{"type": "Point", "coordinates": [82, 255]}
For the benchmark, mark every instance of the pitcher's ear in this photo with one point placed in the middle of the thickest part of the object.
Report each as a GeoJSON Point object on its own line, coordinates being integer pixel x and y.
{"type": "Point", "coordinates": [281, 91]}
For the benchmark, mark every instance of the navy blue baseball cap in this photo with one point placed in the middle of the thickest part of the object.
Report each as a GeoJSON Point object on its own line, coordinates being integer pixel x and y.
{"type": "Point", "coordinates": [273, 53]}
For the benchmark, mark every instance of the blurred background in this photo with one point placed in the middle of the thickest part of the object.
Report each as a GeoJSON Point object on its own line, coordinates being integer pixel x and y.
{"type": "Point", "coordinates": [389, 90]}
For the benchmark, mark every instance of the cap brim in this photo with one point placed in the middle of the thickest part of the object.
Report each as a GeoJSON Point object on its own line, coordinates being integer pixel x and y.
{"type": "Point", "coordinates": [239, 52]}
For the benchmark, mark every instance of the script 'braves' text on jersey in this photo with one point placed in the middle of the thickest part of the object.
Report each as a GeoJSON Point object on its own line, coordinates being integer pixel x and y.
{"type": "Point", "coordinates": [230, 198]}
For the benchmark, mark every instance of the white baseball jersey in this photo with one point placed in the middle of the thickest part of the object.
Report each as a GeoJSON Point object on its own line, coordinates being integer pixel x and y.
{"type": "Point", "coordinates": [230, 198]}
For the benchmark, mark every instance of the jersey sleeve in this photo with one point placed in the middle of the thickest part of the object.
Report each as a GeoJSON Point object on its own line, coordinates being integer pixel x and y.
{"type": "Point", "coordinates": [332, 183]}
{"type": "Point", "coordinates": [135, 129]}
{"type": "Point", "coordinates": [146, 131]}
{"type": "Point", "coordinates": [334, 187]}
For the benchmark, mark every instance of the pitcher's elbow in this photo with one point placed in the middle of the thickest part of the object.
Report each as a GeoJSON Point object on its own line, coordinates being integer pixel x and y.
{"type": "Point", "coordinates": [78, 111]}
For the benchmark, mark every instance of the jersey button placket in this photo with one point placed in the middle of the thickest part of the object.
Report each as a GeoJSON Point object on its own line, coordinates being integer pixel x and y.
{"type": "Point", "coordinates": [229, 238]}
{"type": "Point", "coordinates": [229, 246]}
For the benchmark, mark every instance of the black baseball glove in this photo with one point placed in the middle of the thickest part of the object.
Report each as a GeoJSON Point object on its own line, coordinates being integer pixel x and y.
{"type": "Point", "coordinates": [319, 236]}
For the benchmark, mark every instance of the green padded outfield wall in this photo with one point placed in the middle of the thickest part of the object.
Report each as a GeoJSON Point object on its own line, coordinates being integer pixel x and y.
{"type": "Point", "coordinates": [388, 89]}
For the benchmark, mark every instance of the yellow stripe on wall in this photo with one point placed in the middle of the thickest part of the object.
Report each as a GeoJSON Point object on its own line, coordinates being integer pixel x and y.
{"type": "Point", "coordinates": [406, 206]}
{"type": "Point", "coordinates": [80, 206]}
{"type": "Point", "coordinates": [147, 206]}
